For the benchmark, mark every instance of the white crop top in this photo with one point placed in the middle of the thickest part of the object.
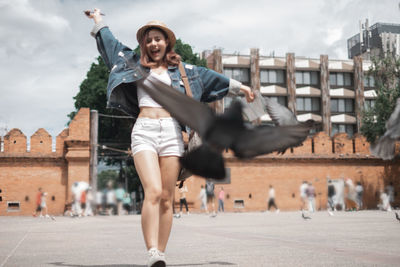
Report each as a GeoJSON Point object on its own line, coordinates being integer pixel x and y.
{"type": "Point", "coordinates": [144, 99]}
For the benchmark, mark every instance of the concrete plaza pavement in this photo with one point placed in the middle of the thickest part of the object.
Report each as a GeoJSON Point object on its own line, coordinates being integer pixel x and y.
{"type": "Point", "coordinates": [365, 238]}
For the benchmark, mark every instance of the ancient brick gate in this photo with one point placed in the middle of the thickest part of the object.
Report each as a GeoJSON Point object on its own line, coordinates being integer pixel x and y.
{"type": "Point", "coordinates": [321, 157]}
{"type": "Point", "coordinates": [22, 172]}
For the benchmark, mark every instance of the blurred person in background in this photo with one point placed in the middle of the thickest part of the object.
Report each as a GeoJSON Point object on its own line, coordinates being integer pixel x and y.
{"type": "Point", "coordinates": [203, 198]}
{"type": "Point", "coordinates": [83, 202]}
{"type": "Point", "coordinates": [38, 202]}
{"type": "Point", "coordinates": [271, 199]}
{"type": "Point", "coordinates": [359, 195]}
{"type": "Point", "coordinates": [303, 195]}
{"type": "Point", "coordinates": [119, 196]}
{"type": "Point", "coordinates": [127, 203]}
{"type": "Point", "coordinates": [210, 196]}
{"type": "Point", "coordinates": [390, 192]}
{"type": "Point", "coordinates": [351, 198]}
{"type": "Point", "coordinates": [384, 202]}
{"type": "Point", "coordinates": [221, 199]}
{"type": "Point", "coordinates": [43, 206]}
{"type": "Point", "coordinates": [311, 197]}
{"type": "Point", "coordinates": [110, 199]}
{"type": "Point", "coordinates": [331, 196]}
{"type": "Point", "coordinates": [89, 202]}
{"type": "Point", "coordinates": [99, 202]}
{"type": "Point", "coordinates": [182, 199]}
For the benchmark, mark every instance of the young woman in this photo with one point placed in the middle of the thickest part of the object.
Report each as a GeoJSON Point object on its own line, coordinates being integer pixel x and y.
{"type": "Point", "coordinates": [157, 140]}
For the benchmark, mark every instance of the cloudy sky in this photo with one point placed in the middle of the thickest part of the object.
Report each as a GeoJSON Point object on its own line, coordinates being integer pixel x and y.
{"type": "Point", "coordinates": [46, 49]}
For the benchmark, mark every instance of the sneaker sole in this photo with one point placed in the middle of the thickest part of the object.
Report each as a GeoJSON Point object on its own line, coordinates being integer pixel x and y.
{"type": "Point", "coordinates": [159, 264]}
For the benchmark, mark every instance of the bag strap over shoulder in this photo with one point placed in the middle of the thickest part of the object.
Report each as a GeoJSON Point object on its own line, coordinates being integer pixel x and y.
{"type": "Point", "coordinates": [185, 80]}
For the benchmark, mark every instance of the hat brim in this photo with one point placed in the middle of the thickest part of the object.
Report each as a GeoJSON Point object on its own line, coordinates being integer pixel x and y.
{"type": "Point", "coordinates": [170, 35]}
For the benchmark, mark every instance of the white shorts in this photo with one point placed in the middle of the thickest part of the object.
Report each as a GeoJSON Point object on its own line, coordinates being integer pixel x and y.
{"type": "Point", "coordinates": [163, 136]}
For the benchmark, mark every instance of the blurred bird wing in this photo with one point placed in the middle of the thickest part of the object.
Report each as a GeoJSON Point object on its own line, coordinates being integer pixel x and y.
{"type": "Point", "coordinates": [255, 109]}
{"type": "Point", "coordinates": [279, 114]}
{"type": "Point", "coordinates": [185, 109]}
{"type": "Point", "coordinates": [393, 123]}
{"type": "Point", "coordinates": [266, 139]}
{"type": "Point", "coordinates": [384, 148]}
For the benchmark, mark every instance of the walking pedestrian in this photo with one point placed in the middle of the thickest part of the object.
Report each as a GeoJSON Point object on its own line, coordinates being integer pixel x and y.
{"type": "Point", "coordinates": [359, 195]}
{"type": "Point", "coordinates": [89, 201]}
{"type": "Point", "coordinates": [210, 196]}
{"type": "Point", "coordinates": [331, 195]}
{"type": "Point", "coordinates": [303, 195]}
{"type": "Point", "coordinates": [182, 199]}
{"type": "Point", "coordinates": [271, 199]}
{"type": "Point", "coordinates": [38, 202]}
{"type": "Point", "coordinates": [221, 199]}
{"type": "Point", "coordinates": [119, 196]}
{"type": "Point", "coordinates": [43, 206]}
{"type": "Point", "coordinates": [156, 137]}
{"type": "Point", "coordinates": [390, 192]}
{"type": "Point", "coordinates": [203, 198]}
{"type": "Point", "coordinates": [311, 197]}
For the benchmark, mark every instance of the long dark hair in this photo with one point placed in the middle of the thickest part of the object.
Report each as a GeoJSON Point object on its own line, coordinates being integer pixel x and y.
{"type": "Point", "coordinates": [170, 58]}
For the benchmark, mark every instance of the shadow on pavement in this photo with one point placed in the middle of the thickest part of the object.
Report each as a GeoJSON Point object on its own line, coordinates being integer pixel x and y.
{"type": "Point", "coordinates": [136, 265]}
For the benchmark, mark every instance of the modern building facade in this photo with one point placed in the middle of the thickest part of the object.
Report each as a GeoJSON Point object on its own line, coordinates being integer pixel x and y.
{"type": "Point", "coordinates": [379, 39]}
{"type": "Point", "coordinates": [333, 92]}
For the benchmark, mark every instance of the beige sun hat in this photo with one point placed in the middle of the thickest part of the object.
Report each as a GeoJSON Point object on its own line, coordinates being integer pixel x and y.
{"type": "Point", "coordinates": [156, 24]}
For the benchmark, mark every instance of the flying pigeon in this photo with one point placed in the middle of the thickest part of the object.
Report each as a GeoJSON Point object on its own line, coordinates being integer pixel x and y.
{"type": "Point", "coordinates": [384, 148]}
{"type": "Point", "coordinates": [225, 131]}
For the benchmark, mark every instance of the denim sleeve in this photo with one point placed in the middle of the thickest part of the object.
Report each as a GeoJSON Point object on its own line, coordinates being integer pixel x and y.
{"type": "Point", "coordinates": [215, 85]}
{"type": "Point", "coordinates": [107, 44]}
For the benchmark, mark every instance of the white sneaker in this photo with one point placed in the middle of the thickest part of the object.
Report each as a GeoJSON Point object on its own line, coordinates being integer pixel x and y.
{"type": "Point", "coordinates": [277, 211]}
{"type": "Point", "coordinates": [156, 258]}
{"type": "Point", "coordinates": [330, 213]}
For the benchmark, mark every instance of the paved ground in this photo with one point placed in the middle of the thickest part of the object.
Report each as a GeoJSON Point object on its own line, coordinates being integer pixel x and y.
{"type": "Point", "coordinates": [367, 238]}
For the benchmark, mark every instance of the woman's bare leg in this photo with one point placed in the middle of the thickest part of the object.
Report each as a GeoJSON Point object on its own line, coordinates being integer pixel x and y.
{"type": "Point", "coordinates": [148, 168]}
{"type": "Point", "coordinates": [170, 168]}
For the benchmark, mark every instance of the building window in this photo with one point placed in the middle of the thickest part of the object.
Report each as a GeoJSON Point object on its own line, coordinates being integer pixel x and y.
{"type": "Point", "coordinates": [307, 78]}
{"type": "Point", "coordinates": [272, 76]}
{"type": "Point", "coordinates": [343, 128]}
{"type": "Point", "coordinates": [369, 104]}
{"type": "Point", "coordinates": [308, 104]}
{"type": "Point", "coordinates": [342, 105]}
{"type": "Point", "coordinates": [369, 81]}
{"type": "Point", "coordinates": [280, 99]}
{"type": "Point", "coordinates": [240, 74]}
{"type": "Point", "coordinates": [341, 79]}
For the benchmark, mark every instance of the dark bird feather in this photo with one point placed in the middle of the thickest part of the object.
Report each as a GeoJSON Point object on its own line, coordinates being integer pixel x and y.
{"type": "Point", "coordinates": [226, 131]}
{"type": "Point", "coordinates": [397, 216]}
{"type": "Point", "coordinates": [384, 148]}
{"type": "Point", "coordinates": [305, 217]}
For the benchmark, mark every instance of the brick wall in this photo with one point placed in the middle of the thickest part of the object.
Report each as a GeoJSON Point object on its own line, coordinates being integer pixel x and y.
{"type": "Point", "coordinates": [320, 157]}
{"type": "Point", "coordinates": [22, 172]}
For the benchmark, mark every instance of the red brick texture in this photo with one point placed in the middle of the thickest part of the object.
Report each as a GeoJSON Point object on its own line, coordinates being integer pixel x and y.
{"type": "Point", "coordinates": [23, 172]}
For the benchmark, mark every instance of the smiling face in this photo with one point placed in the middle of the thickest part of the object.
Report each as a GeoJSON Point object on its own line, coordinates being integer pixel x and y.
{"type": "Point", "coordinates": [156, 45]}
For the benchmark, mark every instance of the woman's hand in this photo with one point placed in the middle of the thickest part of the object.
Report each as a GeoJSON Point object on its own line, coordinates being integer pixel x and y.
{"type": "Point", "coordinates": [248, 93]}
{"type": "Point", "coordinates": [95, 15]}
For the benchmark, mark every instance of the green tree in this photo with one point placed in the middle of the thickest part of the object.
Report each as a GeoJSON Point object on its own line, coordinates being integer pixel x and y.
{"type": "Point", "coordinates": [386, 73]}
{"type": "Point", "coordinates": [187, 55]}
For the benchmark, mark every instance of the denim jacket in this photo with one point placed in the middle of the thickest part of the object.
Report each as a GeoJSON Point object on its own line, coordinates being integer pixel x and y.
{"type": "Point", "coordinates": [125, 69]}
